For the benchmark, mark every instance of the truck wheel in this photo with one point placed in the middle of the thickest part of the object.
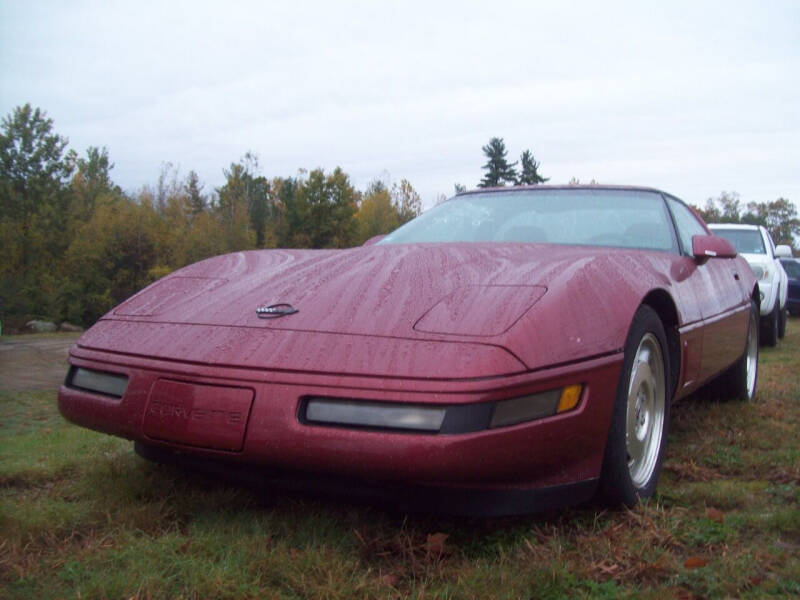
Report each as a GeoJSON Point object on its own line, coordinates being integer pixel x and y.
{"type": "Point", "coordinates": [783, 315]}
{"type": "Point", "coordinates": [769, 327]}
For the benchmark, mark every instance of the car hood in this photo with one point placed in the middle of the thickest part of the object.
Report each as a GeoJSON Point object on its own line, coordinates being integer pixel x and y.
{"type": "Point", "coordinates": [393, 291]}
{"type": "Point", "coordinates": [756, 259]}
{"type": "Point", "coordinates": [544, 304]}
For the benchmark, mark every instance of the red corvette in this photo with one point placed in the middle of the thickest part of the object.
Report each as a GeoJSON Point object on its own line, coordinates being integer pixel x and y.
{"type": "Point", "coordinates": [507, 351]}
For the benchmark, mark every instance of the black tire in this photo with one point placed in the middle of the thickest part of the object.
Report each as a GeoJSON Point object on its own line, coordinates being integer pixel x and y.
{"type": "Point", "coordinates": [769, 327]}
{"type": "Point", "coordinates": [782, 316]}
{"type": "Point", "coordinates": [642, 402]}
{"type": "Point", "coordinates": [739, 382]}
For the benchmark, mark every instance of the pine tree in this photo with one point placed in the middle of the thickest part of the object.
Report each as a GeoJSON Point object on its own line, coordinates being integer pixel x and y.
{"type": "Point", "coordinates": [498, 171]}
{"type": "Point", "coordinates": [194, 193]}
{"type": "Point", "coordinates": [530, 174]}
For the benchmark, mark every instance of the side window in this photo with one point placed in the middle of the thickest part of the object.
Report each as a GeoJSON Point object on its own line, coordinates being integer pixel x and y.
{"type": "Point", "coordinates": [686, 224]}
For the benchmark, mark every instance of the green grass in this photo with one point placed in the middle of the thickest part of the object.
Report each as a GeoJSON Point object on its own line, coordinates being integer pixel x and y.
{"type": "Point", "coordinates": [82, 516]}
{"type": "Point", "coordinates": [49, 335]}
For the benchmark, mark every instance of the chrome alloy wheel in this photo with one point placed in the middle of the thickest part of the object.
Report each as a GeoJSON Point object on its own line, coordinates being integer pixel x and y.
{"type": "Point", "coordinates": [751, 361]}
{"type": "Point", "coordinates": [645, 412]}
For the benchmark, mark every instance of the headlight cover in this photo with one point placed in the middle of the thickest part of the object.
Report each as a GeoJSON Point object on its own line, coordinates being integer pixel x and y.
{"type": "Point", "coordinates": [760, 272]}
{"type": "Point", "coordinates": [106, 384]}
{"type": "Point", "coordinates": [451, 419]}
{"type": "Point", "coordinates": [374, 414]}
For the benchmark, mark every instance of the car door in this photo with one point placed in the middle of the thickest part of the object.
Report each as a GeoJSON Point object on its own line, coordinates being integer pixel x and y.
{"type": "Point", "coordinates": [721, 296]}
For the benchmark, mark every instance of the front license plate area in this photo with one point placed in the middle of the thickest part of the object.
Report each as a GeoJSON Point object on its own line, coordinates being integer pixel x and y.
{"type": "Point", "coordinates": [206, 416]}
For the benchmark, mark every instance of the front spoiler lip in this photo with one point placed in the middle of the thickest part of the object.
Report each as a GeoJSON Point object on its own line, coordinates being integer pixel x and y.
{"type": "Point", "coordinates": [455, 501]}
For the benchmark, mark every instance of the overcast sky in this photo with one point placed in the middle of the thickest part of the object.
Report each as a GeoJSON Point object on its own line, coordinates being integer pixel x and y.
{"type": "Point", "coordinates": [692, 97]}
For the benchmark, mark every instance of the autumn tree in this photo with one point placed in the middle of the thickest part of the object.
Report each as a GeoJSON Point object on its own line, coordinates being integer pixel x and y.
{"type": "Point", "coordinates": [406, 201]}
{"type": "Point", "coordinates": [377, 213]}
{"type": "Point", "coordinates": [290, 214]}
{"type": "Point", "coordinates": [90, 183]}
{"type": "Point", "coordinates": [726, 208]}
{"type": "Point", "coordinates": [233, 204]}
{"type": "Point", "coordinates": [33, 166]}
{"type": "Point", "coordinates": [498, 170]}
{"type": "Point", "coordinates": [246, 193]}
{"type": "Point", "coordinates": [34, 169]}
{"type": "Point", "coordinates": [110, 259]}
{"type": "Point", "coordinates": [197, 201]}
{"type": "Point", "coordinates": [779, 217]}
{"type": "Point", "coordinates": [187, 230]}
{"type": "Point", "coordinates": [332, 209]}
{"type": "Point", "coordinates": [94, 171]}
{"type": "Point", "coordinates": [168, 186]}
{"type": "Point", "coordinates": [259, 208]}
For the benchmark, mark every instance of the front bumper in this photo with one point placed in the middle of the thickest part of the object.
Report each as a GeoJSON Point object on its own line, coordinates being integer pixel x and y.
{"type": "Point", "coordinates": [537, 462]}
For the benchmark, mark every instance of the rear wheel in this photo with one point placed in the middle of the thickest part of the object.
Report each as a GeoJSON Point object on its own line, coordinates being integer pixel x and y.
{"type": "Point", "coordinates": [769, 327]}
{"type": "Point", "coordinates": [739, 382]}
{"type": "Point", "coordinates": [637, 435]}
{"type": "Point", "coordinates": [782, 316]}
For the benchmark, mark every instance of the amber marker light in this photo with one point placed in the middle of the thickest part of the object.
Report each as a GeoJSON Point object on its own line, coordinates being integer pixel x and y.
{"type": "Point", "coordinates": [570, 396]}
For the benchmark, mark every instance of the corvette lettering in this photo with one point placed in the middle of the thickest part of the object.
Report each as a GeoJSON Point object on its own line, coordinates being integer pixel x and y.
{"type": "Point", "coordinates": [166, 409]}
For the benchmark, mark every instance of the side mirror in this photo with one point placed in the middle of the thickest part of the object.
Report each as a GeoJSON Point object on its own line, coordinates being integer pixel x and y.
{"type": "Point", "coordinates": [711, 246]}
{"type": "Point", "coordinates": [783, 251]}
{"type": "Point", "coordinates": [374, 240]}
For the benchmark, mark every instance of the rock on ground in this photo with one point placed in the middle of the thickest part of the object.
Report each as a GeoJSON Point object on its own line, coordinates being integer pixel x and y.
{"type": "Point", "coordinates": [36, 326]}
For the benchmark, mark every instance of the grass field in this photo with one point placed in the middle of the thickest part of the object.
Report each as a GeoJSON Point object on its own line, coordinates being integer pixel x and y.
{"type": "Point", "coordinates": [82, 517]}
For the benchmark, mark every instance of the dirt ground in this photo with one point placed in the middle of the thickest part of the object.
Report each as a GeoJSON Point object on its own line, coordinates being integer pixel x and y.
{"type": "Point", "coordinates": [34, 361]}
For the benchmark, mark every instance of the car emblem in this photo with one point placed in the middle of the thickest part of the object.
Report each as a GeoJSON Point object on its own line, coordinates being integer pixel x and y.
{"type": "Point", "coordinates": [273, 311]}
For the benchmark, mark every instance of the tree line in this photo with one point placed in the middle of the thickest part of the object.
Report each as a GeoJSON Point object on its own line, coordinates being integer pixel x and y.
{"type": "Point", "coordinates": [74, 244]}
{"type": "Point", "coordinates": [778, 217]}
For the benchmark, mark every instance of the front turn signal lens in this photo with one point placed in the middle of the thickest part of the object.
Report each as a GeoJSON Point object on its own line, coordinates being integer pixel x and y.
{"type": "Point", "coordinates": [570, 396]}
{"type": "Point", "coordinates": [535, 406]}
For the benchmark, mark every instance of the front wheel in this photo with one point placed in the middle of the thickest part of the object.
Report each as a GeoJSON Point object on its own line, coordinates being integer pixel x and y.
{"type": "Point", "coordinates": [769, 327]}
{"type": "Point", "coordinates": [638, 432]}
{"type": "Point", "coordinates": [783, 315]}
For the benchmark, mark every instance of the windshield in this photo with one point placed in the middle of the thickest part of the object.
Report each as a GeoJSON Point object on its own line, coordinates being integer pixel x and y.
{"type": "Point", "coordinates": [746, 241]}
{"type": "Point", "coordinates": [621, 218]}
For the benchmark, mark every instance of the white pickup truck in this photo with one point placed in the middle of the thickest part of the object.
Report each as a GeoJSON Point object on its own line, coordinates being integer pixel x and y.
{"type": "Point", "coordinates": [755, 244]}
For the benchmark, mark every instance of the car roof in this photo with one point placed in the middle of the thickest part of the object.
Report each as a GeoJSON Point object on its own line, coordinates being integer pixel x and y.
{"type": "Point", "coordinates": [733, 226]}
{"type": "Point", "coordinates": [539, 187]}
